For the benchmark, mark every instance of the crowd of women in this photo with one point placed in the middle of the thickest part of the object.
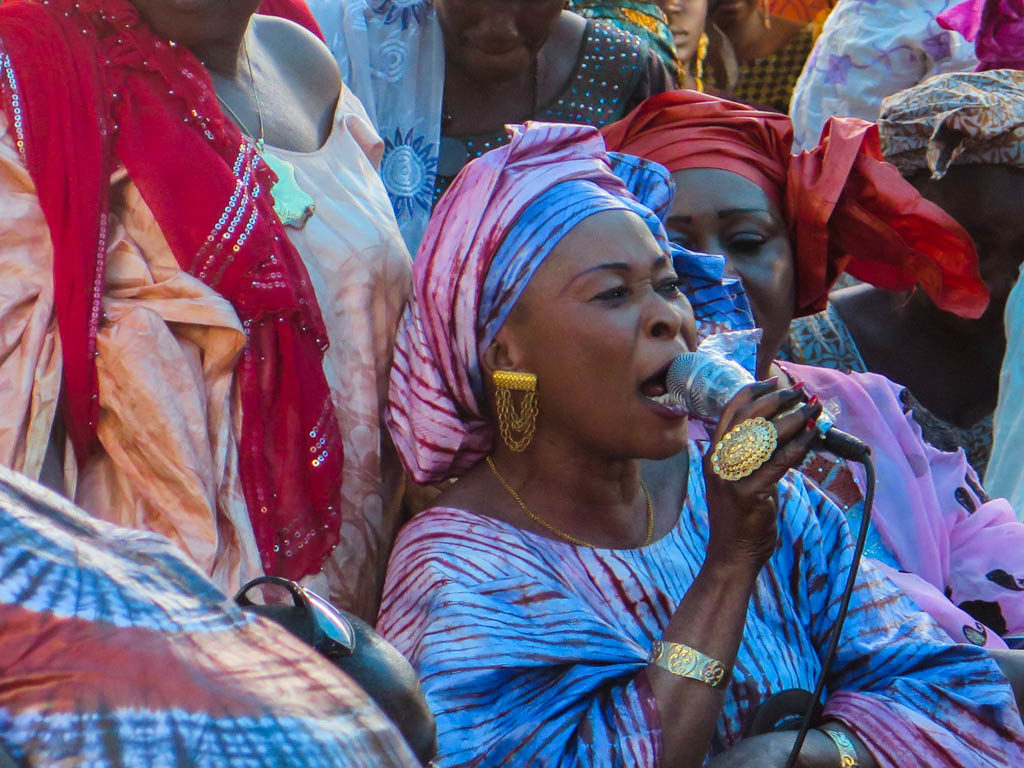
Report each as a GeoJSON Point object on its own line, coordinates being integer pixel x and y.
{"type": "Point", "coordinates": [381, 297]}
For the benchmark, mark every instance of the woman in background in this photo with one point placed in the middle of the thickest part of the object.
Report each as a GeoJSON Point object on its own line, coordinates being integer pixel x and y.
{"type": "Point", "coordinates": [441, 80]}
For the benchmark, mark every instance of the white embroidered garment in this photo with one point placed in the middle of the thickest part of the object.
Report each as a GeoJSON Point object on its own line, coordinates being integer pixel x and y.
{"type": "Point", "coordinates": [391, 53]}
{"type": "Point", "coordinates": [870, 49]}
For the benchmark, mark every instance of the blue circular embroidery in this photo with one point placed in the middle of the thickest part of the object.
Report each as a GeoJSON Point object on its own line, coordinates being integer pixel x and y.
{"type": "Point", "coordinates": [408, 168]}
{"type": "Point", "coordinates": [402, 11]}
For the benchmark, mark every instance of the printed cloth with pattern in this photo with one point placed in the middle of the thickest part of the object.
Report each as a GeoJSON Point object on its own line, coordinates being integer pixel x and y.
{"type": "Point", "coordinates": [868, 50]}
{"type": "Point", "coordinates": [117, 651]}
{"type": "Point", "coordinates": [391, 54]}
{"type": "Point", "coordinates": [769, 81]}
{"type": "Point", "coordinates": [964, 118]}
{"type": "Point", "coordinates": [614, 72]}
{"type": "Point", "coordinates": [532, 651]}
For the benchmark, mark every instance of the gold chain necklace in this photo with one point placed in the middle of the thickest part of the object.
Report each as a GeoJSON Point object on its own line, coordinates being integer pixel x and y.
{"type": "Point", "coordinates": [558, 532]}
{"type": "Point", "coordinates": [292, 204]}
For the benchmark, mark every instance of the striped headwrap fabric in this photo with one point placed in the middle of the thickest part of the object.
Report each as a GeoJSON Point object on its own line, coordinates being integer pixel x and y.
{"type": "Point", "coordinates": [117, 651]}
{"type": "Point", "coordinates": [500, 219]}
{"type": "Point", "coordinates": [963, 118]}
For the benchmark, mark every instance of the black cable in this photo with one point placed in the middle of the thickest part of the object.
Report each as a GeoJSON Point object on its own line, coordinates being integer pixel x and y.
{"type": "Point", "coordinates": [844, 605]}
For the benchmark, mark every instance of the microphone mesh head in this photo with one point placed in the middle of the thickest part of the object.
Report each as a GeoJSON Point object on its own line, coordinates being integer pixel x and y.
{"type": "Point", "coordinates": [705, 383]}
{"type": "Point", "coordinates": [683, 382]}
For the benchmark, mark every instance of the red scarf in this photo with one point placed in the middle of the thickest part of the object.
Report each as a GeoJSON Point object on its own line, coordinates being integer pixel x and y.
{"type": "Point", "coordinates": [91, 86]}
{"type": "Point", "coordinates": [294, 10]}
{"type": "Point", "coordinates": [847, 210]}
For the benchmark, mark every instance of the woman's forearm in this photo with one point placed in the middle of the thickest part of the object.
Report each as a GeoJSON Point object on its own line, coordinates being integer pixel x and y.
{"type": "Point", "coordinates": [709, 619]}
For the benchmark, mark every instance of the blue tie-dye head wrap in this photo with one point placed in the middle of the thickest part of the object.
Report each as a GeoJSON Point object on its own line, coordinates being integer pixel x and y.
{"type": "Point", "coordinates": [489, 233]}
{"type": "Point", "coordinates": [552, 215]}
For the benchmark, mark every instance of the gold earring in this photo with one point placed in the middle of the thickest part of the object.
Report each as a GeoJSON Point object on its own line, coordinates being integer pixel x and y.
{"type": "Point", "coordinates": [516, 429]}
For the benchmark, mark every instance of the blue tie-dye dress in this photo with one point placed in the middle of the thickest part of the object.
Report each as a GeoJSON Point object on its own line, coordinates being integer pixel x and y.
{"type": "Point", "coordinates": [531, 651]}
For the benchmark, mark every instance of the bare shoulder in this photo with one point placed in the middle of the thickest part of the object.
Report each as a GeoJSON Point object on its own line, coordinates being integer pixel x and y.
{"type": "Point", "coordinates": [299, 53]}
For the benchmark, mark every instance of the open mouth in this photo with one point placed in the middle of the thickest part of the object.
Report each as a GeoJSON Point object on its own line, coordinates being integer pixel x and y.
{"type": "Point", "coordinates": [655, 388]}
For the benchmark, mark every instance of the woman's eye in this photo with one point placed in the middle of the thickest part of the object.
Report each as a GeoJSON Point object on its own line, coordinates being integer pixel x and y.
{"type": "Point", "coordinates": [681, 240]}
{"type": "Point", "coordinates": [670, 288]}
{"type": "Point", "coordinates": [747, 242]}
{"type": "Point", "coordinates": [618, 292]}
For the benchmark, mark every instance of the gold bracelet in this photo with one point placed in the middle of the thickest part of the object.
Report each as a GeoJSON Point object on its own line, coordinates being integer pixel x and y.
{"type": "Point", "coordinates": [684, 661]}
{"type": "Point", "coordinates": [847, 752]}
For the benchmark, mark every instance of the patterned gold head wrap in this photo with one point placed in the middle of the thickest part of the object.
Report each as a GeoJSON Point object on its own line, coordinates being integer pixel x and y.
{"type": "Point", "coordinates": [958, 118]}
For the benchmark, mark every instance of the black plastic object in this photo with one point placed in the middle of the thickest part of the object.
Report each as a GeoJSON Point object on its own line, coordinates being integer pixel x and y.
{"type": "Point", "coordinates": [355, 648]}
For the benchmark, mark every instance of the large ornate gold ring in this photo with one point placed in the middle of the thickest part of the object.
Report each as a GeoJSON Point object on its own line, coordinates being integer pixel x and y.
{"type": "Point", "coordinates": [744, 449]}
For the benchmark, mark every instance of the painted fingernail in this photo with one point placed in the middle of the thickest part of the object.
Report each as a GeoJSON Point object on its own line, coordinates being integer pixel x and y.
{"type": "Point", "coordinates": [811, 423]}
{"type": "Point", "coordinates": [799, 385]}
{"type": "Point", "coordinates": [813, 400]}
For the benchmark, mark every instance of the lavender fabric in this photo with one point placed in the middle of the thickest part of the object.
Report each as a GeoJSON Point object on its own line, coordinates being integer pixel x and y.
{"type": "Point", "coordinates": [955, 549]}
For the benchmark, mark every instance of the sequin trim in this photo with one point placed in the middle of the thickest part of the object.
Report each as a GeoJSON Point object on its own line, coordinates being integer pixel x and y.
{"type": "Point", "coordinates": [222, 239]}
{"type": "Point", "coordinates": [7, 73]}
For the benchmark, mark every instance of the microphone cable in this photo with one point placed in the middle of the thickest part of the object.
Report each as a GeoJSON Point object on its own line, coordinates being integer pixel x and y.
{"type": "Point", "coordinates": [844, 605]}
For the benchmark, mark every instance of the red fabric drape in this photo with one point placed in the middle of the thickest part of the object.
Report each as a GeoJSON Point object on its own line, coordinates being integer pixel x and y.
{"type": "Point", "coordinates": [90, 86]}
{"type": "Point", "coordinates": [294, 10]}
{"type": "Point", "coordinates": [846, 209]}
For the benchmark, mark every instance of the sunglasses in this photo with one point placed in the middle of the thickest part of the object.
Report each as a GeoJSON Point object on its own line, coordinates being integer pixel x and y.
{"type": "Point", "coordinates": [333, 634]}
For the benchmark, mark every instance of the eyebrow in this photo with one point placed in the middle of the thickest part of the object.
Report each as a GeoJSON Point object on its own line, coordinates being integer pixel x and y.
{"type": "Point", "coordinates": [621, 266]}
{"type": "Point", "coordinates": [723, 214]}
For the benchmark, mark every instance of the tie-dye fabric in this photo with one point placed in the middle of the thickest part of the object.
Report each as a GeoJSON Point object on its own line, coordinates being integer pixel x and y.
{"type": "Point", "coordinates": [964, 118]}
{"type": "Point", "coordinates": [117, 651]}
{"type": "Point", "coordinates": [532, 651]}
{"type": "Point", "coordinates": [500, 219]}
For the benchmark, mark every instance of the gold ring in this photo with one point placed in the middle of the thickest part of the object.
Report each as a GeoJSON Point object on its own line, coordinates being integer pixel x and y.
{"type": "Point", "coordinates": [745, 449]}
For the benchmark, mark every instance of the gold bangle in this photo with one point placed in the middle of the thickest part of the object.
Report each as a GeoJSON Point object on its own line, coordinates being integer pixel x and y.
{"type": "Point", "coordinates": [684, 661]}
{"type": "Point", "coordinates": [847, 752]}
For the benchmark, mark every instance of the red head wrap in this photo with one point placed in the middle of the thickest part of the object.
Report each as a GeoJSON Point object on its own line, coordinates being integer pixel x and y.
{"type": "Point", "coordinates": [846, 209]}
{"type": "Point", "coordinates": [88, 85]}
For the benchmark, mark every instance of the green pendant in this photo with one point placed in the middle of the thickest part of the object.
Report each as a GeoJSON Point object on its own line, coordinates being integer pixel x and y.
{"type": "Point", "coordinates": [292, 204]}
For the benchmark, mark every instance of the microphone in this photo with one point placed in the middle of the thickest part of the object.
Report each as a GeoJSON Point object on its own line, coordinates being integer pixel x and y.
{"type": "Point", "coordinates": [705, 382]}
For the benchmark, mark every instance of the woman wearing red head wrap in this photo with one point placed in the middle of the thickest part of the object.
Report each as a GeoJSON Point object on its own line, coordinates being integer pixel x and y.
{"type": "Point", "coordinates": [836, 208]}
{"type": "Point", "coordinates": [789, 226]}
{"type": "Point", "coordinates": [205, 275]}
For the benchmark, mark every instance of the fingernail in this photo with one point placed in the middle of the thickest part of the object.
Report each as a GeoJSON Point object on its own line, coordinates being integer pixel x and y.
{"type": "Point", "coordinates": [799, 385]}
{"type": "Point", "coordinates": [813, 400]}
{"type": "Point", "coordinates": [811, 423]}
